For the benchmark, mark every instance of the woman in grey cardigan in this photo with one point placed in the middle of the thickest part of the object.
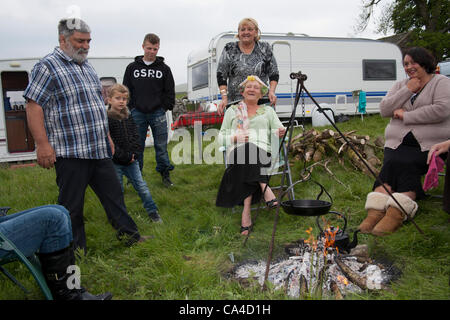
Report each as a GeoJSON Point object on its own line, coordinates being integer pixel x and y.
{"type": "Point", "coordinates": [419, 108]}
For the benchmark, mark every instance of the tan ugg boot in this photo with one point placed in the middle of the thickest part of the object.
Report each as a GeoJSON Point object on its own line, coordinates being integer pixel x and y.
{"type": "Point", "coordinates": [376, 209]}
{"type": "Point", "coordinates": [394, 215]}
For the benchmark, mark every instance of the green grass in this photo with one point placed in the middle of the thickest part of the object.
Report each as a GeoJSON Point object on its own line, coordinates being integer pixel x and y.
{"type": "Point", "coordinates": [189, 256]}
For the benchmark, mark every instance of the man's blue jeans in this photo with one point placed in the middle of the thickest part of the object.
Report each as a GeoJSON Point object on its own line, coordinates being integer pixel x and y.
{"type": "Point", "coordinates": [134, 175]}
{"type": "Point", "coordinates": [158, 125]}
{"type": "Point", "coordinates": [42, 229]}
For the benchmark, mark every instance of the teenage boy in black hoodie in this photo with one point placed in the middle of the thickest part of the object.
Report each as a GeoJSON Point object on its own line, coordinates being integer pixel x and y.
{"type": "Point", "coordinates": [152, 93]}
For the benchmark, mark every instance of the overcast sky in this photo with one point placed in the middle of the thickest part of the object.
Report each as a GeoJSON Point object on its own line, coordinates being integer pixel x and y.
{"type": "Point", "coordinates": [29, 27]}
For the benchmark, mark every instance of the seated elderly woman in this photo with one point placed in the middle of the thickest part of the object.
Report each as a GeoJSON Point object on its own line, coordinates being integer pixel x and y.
{"type": "Point", "coordinates": [419, 108]}
{"type": "Point", "coordinates": [247, 132]}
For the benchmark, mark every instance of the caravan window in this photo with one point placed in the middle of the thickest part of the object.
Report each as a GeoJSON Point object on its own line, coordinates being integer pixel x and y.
{"type": "Point", "coordinates": [379, 70]}
{"type": "Point", "coordinates": [200, 76]}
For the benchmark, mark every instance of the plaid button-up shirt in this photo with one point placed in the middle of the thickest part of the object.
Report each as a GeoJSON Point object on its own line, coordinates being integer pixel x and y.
{"type": "Point", "coordinates": [74, 111]}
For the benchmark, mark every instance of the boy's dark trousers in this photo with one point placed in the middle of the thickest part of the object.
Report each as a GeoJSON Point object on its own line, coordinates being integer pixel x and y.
{"type": "Point", "coordinates": [73, 176]}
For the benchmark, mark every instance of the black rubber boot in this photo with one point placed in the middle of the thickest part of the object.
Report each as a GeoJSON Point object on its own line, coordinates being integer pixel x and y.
{"type": "Point", "coordinates": [54, 266]}
{"type": "Point", "coordinates": [166, 179]}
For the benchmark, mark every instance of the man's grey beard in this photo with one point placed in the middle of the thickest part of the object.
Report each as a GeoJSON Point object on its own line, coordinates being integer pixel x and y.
{"type": "Point", "coordinates": [79, 55]}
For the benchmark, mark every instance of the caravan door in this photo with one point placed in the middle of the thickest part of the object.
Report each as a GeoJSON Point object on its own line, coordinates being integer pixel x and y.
{"type": "Point", "coordinates": [18, 137]}
{"type": "Point", "coordinates": [282, 51]}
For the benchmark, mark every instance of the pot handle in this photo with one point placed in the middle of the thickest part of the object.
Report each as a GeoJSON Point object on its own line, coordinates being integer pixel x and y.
{"type": "Point", "coordinates": [322, 190]}
{"type": "Point", "coordinates": [337, 213]}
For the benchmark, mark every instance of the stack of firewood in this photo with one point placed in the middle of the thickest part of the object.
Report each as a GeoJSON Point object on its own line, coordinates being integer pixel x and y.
{"type": "Point", "coordinates": [314, 146]}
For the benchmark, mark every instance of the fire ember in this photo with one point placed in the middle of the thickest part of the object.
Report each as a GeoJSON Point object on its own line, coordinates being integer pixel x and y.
{"type": "Point", "coordinates": [316, 269]}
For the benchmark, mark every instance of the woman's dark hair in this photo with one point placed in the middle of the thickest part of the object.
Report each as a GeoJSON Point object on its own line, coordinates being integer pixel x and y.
{"type": "Point", "coordinates": [423, 57]}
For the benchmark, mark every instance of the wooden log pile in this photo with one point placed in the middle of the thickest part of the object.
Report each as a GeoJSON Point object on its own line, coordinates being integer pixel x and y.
{"type": "Point", "coordinates": [313, 146]}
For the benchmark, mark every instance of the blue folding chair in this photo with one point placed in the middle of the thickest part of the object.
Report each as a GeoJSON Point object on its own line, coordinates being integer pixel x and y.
{"type": "Point", "coordinates": [32, 263]}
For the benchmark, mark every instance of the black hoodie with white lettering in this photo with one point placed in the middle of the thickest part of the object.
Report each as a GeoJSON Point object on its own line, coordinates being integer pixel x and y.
{"type": "Point", "coordinates": [151, 86]}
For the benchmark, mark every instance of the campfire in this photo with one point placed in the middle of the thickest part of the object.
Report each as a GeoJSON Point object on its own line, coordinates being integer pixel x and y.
{"type": "Point", "coordinates": [315, 268]}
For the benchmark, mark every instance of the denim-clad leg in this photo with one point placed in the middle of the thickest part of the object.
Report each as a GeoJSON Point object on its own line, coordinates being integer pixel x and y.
{"type": "Point", "coordinates": [134, 175]}
{"type": "Point", "coordinates": [158, 125]}
{"type": "Point", "coordinates": [120, 174]}
{"type": "Point", "coordinates": [142, 126]}
{"type": "Point", "coordinates": [43, 229]}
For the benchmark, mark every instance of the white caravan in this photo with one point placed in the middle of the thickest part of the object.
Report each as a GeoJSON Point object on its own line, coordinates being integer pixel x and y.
{"type": "Point", "coordinates": [336, 69]}
{"type": "Point", "coordinates": [16, 142]}
{"type": "Point", "coordinates": [444, 67]}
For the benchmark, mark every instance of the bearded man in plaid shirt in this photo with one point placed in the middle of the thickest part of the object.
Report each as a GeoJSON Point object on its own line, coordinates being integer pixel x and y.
{"type": "Point", "coordinates": [67, 118]}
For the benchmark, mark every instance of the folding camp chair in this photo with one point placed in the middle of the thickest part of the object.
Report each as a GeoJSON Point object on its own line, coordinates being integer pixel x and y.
{"type": "Point", "coordinates": [32, 263]}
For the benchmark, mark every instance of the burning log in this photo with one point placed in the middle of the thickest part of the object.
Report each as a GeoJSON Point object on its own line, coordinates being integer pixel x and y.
{"type": "Point", "coordinates": [335, 289]}
{"type": "Point", "coordinates": [315, 268]}
{"type": "Point", "coordinates": [359, 281]}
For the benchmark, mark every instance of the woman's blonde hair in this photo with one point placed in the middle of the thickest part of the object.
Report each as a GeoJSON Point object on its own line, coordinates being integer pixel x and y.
{"type": "Point", "coordinates": [117, 88]}
{"type": "Point", "coordinates": [250, 21]}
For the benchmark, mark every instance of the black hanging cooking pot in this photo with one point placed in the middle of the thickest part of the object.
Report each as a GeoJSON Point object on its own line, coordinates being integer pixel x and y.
{"type": "Point", "coordinates": [307, 207]}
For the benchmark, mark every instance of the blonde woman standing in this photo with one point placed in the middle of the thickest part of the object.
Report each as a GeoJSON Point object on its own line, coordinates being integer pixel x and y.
{"type": "Point", "coordinates": [247, 56]}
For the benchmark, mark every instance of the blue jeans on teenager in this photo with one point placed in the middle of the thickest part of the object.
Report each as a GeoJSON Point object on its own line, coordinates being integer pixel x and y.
{"type": "Point", "coordinates": [134, 175]}
{"type": "Point", "coordinates": [43, 229]}
{"type": "Point", "coordinates": [158, 125]}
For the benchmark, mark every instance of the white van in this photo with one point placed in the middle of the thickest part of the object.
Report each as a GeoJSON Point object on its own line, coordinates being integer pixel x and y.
{"type": "Point", "coordinates": [335, 69]}
{"type": "Point", "coordinates": [16, 141]}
